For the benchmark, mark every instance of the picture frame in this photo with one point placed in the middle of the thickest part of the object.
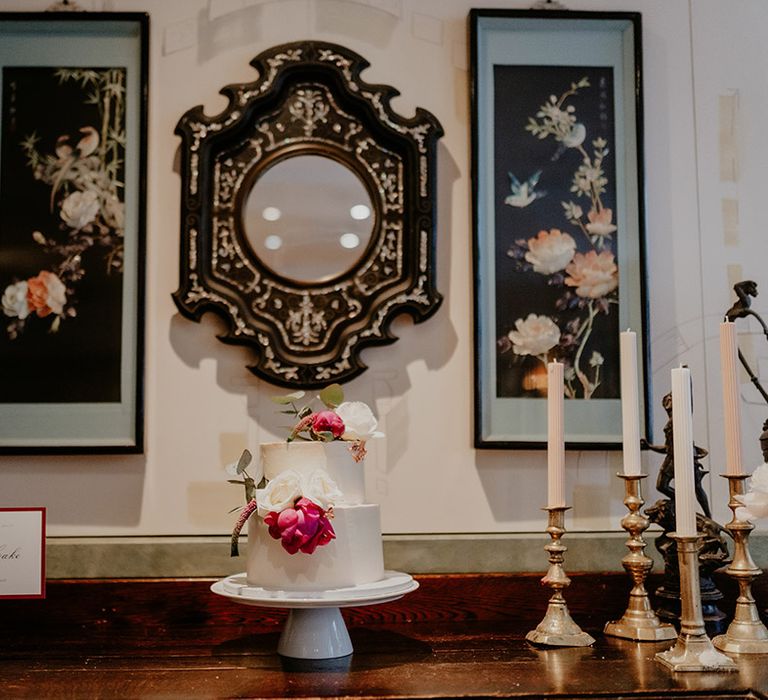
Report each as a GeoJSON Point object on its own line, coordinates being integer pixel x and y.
{"type": "Point", "coordinates": [73, 144]}
{"type": "Point", "coordinates": [558, 221]}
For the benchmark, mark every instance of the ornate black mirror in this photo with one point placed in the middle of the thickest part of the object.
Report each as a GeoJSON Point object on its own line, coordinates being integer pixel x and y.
{"type": "Point", "coordinates": [308, 214]}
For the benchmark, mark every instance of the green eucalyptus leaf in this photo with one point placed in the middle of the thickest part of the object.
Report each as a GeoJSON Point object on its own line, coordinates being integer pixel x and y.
{"type": "Point", "coordinates": [332, 396]}
{"type": "Point", "coordinates": [288, 398]}
{"type": "Point", "coordinates": [244, 461]}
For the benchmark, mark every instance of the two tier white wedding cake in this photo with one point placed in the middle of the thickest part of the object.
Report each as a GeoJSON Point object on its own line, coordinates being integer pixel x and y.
{"type": "Point", "coordinates": [352, 557]}
{"type": "Point", "coordinates": [309, 528]}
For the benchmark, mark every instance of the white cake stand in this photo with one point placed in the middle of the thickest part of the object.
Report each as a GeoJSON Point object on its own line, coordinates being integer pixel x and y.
{"type": "Point", "coordinates": [315, 628]}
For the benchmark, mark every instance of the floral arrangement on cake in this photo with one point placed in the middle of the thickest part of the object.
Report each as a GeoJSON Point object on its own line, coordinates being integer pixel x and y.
{"type": "Point", "coordinates": [298, 508]}
{"type": "Point", "coordinates": [350, 421]}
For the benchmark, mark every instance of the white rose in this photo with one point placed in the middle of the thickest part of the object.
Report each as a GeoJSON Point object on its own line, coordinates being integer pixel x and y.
{"type": "Point", "coordinates": [80, 208]}
{"type": "Point", "coordinates": [756, 499]}
{"type": "Point", "coordinates": [535, 335]}
{"type": "Point", "coordinates": [280, 493]}
{"type": "Point", "coordinates": [550, 251]}
{"type": "Point", "coordinates": [319, 488]}
{"type": "Point", "coordinates": [359, 421]}
{"type": "Point", "coordinates": [15, 300]}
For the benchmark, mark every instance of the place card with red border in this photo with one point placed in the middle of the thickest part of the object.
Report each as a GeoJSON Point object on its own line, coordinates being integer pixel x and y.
{"type": "Point", "coordinates": [22, 553]}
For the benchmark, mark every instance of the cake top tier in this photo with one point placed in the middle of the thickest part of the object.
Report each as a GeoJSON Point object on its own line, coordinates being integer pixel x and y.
{"type": "Point", "coordinates": [305, 457]}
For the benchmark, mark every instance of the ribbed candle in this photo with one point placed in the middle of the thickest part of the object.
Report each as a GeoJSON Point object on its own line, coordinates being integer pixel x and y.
{"type": "Point", "coordinates": [685, 498]}
{"type": "Point", "coordinates": [555, 436]}
{"type": "Point", "coordinates": [630, 417]}
{"type": "Point", "coordinates": [731, 406]}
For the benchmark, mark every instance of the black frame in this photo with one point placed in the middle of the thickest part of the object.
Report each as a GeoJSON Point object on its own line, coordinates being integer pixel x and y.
{"type": "Point", "coordinates": [581, 20]}
{"type": "Point", "coordinates": [33, 25]}
{"type": "Point", "coordinates": [223, 155]}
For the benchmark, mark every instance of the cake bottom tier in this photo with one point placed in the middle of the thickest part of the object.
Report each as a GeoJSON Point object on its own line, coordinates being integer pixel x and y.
{"type": "Point", "coordinates": [353, 558]}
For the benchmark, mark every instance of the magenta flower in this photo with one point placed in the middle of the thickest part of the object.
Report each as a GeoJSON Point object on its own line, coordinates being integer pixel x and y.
{"type": "Point", "coordinates": [328, 422]}
{"type": "Point", "coordinates": [303, 528]}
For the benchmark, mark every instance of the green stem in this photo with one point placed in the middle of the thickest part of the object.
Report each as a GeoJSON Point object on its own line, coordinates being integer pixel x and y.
{"type": "Point", "coordinates": [583, 379]}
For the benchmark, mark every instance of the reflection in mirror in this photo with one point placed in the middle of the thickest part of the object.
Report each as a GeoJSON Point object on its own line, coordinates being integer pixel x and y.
{"type": "Point", "coordinates": [309, 218]}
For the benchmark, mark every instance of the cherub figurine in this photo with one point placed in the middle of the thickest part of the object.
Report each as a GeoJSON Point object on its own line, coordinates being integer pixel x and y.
{"type": "Point", "coordinates": [667, 469]}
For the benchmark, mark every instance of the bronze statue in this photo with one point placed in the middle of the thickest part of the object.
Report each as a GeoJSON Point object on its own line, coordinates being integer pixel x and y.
{"type": "Point", "coordinates": [714, 551]}
{"type": "Point", "coordinates": [667, 469]}
{"type": "Point", "coordinates": [745, 292]}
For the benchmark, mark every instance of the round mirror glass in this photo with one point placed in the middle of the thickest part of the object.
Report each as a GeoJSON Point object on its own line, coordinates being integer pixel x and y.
{"type": "Point", "coordinates": [309, 218]}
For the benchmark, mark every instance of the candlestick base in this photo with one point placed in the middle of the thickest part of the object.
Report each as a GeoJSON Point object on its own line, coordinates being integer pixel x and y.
{"type": "Point", "coordinates": [695, 653]}
{"type": "Point", "coordinates": [693, 650]}
{"type": "Point", "coordinates": [639, 621]}
{"type": "Point", "coordinates": [746, 634]}
{"type": "Point", "coordinates": [557, 628]}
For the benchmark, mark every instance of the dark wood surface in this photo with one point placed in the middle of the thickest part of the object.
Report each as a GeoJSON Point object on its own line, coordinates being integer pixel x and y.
{"type": "Point", "coordinates": [457, 636]}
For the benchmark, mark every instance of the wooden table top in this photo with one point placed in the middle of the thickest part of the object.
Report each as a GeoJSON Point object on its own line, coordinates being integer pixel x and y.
{"type": "Point", "coordinates": [457, 636]}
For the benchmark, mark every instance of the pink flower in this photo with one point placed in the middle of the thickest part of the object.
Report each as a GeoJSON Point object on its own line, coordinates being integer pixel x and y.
{"type": "Point", "coordinates": [600, 222]}
{"type": "Point", "coordinates": [46, 294]}
{"type": "Point", "coordinates": [593, 275]}
{"type": "Point", "coordinates": [328, 422]}
{"type": "Point", "coordinates": [303, 528]}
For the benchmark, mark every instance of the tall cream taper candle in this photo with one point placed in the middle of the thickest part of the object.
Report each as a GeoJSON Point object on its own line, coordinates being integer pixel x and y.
{"type": "Point", "coordinates": [555, 436]}
{"type": "Point", "coordinates": [731, 407]}
{"type": "Point", "coordinates": [630, 418]}
{"type": "Point", "coordinates": [685, 498]}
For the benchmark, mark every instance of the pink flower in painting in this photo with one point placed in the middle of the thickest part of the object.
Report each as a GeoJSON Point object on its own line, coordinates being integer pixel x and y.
{"type": "Point", "coordinates": [328, 422]}
{"type": "Point", "coordinates": [303, 528]}
{"type": "Point", "coordinates": [46, 294]}
{"type": "Point", "coordinates": [593, 275]}
{"type": "Point", "coordinates": [600, 222]}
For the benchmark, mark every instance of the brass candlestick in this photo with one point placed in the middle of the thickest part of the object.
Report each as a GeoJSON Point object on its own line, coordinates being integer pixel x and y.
{"type": "Point", "coordinates": [746, 634]}
{"type": "Point", "coordinates": [693, 650]}
{"type": "Point", "coordinates": [639, 621]}
{"type": "Point", "coordinates": [557, 628]}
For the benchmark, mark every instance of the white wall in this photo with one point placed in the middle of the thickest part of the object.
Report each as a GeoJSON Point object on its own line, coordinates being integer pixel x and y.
{"type": "Point", "coordinates": [203, 406]}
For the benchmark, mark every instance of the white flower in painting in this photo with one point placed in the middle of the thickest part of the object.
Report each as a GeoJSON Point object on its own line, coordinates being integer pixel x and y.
{"type": "Point", "coordinates": [756, 499]}
{"type": "Point", "coordinates": [15, 302]}
{"type": "Point", "coordinates": [80, 209]}
{"type": "Point", "coordinates": [594, 275]}
{"type": "Point", "coordinates": [359, 421]}
{"type": "Point", "coordinates": [536, 335]}
{"type": "Point", "coordinates": [550, 251]}
{"type": "Point", "coordinates": [114, 213]}
{"type": "Point", "coordinates": [573, 212]}
{"type": "Point", "coordinates": [319, 488]}
{"type": "Point", "coordinates": [596, 360]}
{"type": "Point", "coordinates": [280, 493]}
{"type": "Point", "coordinates": [575, 136]}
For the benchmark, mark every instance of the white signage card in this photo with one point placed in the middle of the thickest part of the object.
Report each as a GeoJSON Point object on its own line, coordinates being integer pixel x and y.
{"type": "Point", "coordinates": [22, 552]}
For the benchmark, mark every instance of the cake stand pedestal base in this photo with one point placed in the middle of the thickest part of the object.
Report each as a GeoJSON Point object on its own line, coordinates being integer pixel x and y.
{"type": "Point", "coordinates": [315, 628]}
{"type": "Point", "coordinates": [315, 633]}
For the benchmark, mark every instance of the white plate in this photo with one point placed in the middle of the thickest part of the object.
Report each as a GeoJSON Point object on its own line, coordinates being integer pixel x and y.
{"type": "Point", "coordinates": [394, 585]}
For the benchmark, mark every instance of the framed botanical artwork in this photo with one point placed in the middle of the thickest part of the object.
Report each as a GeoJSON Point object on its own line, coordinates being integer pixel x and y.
{"type": "Point", "coordinates": [558, 220]}
{"type": "Point", "coordinates": [73, 106]}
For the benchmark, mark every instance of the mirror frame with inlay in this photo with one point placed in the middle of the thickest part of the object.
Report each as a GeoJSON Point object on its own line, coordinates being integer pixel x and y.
{"type": "Point", "coordinates": [308, 99]}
